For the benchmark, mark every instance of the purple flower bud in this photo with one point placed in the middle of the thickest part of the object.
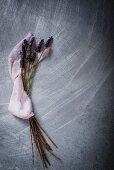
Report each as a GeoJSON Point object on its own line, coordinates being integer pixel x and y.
{"type": "Point", "coordinates": [40, 45]}
{"type": "Point", "coordinates": [49, 42]}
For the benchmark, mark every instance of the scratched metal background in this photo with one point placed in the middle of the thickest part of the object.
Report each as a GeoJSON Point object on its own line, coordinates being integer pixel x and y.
{"type": "Point", "coordinates": [72, 89]}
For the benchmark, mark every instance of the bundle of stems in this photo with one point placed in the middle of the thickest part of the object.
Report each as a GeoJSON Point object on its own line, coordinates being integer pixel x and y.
{"type": "Point", "coordinates": [28, 65]}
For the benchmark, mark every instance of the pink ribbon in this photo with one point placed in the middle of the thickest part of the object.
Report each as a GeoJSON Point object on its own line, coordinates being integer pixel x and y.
{"type": "Point", "coordinates": [20, 103]}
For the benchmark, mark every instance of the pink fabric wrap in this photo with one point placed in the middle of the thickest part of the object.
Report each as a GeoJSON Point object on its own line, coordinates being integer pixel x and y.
{"type": "Point", "coordinates": [20, 103]}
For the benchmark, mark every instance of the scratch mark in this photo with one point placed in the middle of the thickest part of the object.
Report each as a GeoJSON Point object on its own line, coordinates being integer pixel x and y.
{"type": "Point", "coordinates": [78, 116]}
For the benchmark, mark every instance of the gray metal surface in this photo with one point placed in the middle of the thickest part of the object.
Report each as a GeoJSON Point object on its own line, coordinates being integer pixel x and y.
{"type": "Point", "coordinates": [72, 89]}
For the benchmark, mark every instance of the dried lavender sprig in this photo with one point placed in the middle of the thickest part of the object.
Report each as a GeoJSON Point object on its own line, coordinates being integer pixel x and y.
{"type": "Point", "coordinates": [49, 42]}
{"type": "Point", "coordinates": [23, 55]}
{"type": "Point", "coordinates": [31, 53]}
{"type": "Point", "coordinates": [25, 43]}
{"type": "Point", "coordinates": [40, 45]}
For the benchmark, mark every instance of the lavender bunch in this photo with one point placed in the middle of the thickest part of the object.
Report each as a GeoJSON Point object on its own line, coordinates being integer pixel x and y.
{"type": "Point", "coordinates": [28, 65]}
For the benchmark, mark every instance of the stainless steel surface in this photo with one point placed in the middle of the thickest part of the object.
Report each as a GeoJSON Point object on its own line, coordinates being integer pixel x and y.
{"type": "Point", "coordinates": [72, 89]}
